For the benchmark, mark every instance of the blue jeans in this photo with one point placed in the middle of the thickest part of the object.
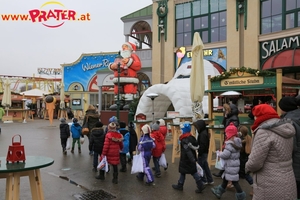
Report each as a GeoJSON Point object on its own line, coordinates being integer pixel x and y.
{"type": "Point", "coordinates": [96, 160]}
{"type": "Point", "coordinates": [182, 178]}
{"type": "Point", "coordinates": [249, 179]}
{"type": "Point", "coordinates": [202, 161]}
{"type": "Point", "coordinates": [156, 165]}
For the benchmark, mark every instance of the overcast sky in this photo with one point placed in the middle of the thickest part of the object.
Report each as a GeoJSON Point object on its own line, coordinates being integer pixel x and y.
{"type": "Point", "coordinates": [26, 46]}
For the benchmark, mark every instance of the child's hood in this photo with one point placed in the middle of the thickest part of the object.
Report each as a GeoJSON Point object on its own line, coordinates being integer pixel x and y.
{"type": "Point", "coordinates": [236, 143]}
{"type": "Point", "coordinates": [77, 126]}
{"type": "Point", "coordinates": [115, 136]}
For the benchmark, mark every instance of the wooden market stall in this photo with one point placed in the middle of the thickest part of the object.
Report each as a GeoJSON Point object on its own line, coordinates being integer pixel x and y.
{"type": "Point", "coordinates": [251, 84]}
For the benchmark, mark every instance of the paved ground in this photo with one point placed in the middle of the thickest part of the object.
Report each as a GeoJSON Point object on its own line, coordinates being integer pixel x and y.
{"type": "Point", "coordinates": [41, 139]}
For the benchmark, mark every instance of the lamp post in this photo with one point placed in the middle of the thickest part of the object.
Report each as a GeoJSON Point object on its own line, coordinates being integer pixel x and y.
{"type": "Point", "coordinates": [152, 96]}
{"type": "Point", "coordinates": [118, 61]}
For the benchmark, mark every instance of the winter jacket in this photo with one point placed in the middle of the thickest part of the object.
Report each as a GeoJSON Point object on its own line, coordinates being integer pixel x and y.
{"type": "Point", "coordinates": [164, 131]}
{"type": "Point", "coordinates": [113, 144]}
{"type": "Point", "coordinates": [126, 138]}
{"type": "Point", "coordinates": [203, 137]}
{"type": "Point", "coordinates": [270, 160]}
{"type": "Point", "coordinates": [145, 146]}
{"type": "Point", "coordinates": [97, 140]}
{"type": "Point", "coordinates": [133, 140]}
{"type": "Point", "coordinates": [160, 145]}
{"type": "Point", "coordinates": [90, 119]}
{"type": "Point", "coordinates": [232, 116]}
{"type": "Point", "coordinates": [231, 157]}
{"type": "Point", "coordinates": [187, 163]}
{"type": "Point", "coordinates": [76, 130]}
{"type": "Point", "coordinates": [295, 116]}
{"type": "Point", "coordinates": [64, 130]}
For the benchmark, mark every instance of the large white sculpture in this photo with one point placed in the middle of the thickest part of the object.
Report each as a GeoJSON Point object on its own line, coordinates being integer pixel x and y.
{"type": "Point", "coordinates": [176, 91]}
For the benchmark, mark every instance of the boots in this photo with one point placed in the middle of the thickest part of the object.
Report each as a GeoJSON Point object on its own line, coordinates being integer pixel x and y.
{"type": "Point", "coordinates": [115, 178]}
{"type": "Point", "coordinates": [218, 191]}
{"type": "Point", "coordinates": [218, 174]}
{"type": "Point", "coordinates": [240, 196]}
{"type": "Point", "coordinates": [101, 175]}
{"type": "Point", "coordinates": [79, 150]}
{"type": "Point", "coordinates": [179, 186]}
{"type": "Point", "coordinates": [72, 151]}
{"type": "Point", "coordinates": [200, 186]}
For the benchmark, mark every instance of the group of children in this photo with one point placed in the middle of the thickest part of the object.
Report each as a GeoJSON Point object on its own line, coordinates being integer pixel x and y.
{"type": "Point", "coordinates": [235, 154]}
{"type": "Point", "coordinates": [116, 143]}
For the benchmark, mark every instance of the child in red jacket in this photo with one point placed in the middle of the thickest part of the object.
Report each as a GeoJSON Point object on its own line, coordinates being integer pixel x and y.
{"type": "Point", "coordinates": [160, 147]}
{"type": "Point", "coordinates": [113, 144]}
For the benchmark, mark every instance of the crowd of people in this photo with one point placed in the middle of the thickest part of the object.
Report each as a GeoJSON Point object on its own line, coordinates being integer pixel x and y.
{"type": "Point", "coordinates": [271, 155]}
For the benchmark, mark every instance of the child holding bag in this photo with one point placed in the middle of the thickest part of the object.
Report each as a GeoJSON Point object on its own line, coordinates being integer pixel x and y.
{"type": "Point", "coordinates": [145, 146]}
{"type": "Point", "coordinates": [231, 157]}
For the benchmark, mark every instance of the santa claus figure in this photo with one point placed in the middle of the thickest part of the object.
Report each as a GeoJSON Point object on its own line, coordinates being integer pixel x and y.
{"type": "Point", "coordinates": [130, 65]}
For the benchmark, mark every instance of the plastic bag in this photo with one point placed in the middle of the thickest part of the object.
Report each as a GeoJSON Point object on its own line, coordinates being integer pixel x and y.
{"type": "Point", "coordinates": [137, 164]}
{"type": "Point", "coordinates": [68, 146]}
{"type": "Point", "coordinates": [103, 165]}
{"type": "Point", "coordinates": [163, 161]}
{"type": "Point", "coordinates": [219, 163]}
{"type": "Point", "coordinates": [199, 170]}
{"type": "Point", "coordinates": [81, 140]}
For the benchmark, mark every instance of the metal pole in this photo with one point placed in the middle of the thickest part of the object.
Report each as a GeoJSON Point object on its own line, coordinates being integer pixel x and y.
{"type": "Point", "coordinates": [118, 98]}
{"type": "Point", "coordinates": [152, 110]}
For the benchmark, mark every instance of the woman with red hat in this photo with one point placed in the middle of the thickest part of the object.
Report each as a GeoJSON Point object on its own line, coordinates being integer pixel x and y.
{"type": "Point", "coordinates": [270, 160]}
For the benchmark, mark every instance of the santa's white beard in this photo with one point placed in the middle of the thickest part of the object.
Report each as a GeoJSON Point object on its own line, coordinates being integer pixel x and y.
{"type": "Point", "coordinates": [126, 53]}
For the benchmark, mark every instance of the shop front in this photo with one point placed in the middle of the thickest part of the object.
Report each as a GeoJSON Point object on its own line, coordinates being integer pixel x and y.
{"type": "Point", "coordinates": [252, 85]}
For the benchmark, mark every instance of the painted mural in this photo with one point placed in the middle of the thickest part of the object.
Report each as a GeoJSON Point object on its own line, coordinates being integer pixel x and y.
{"type": "Point", "coordinates": [216, 56]}
{"type": "Point", "coordinates": [81, 75]}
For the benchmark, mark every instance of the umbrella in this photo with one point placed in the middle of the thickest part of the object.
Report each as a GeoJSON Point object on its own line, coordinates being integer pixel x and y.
{"type": "Point", "coordinates": [6, 99]}
{"type": "Point", "coordinates": [197, 84]}
{"type": "Point", "coordinates": [62, 96]}
{"type": "Point", "coordinates": [230, 93]}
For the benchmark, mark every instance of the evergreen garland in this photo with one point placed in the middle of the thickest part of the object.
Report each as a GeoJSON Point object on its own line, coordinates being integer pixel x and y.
{"type": "Point", "coordinates": [249, 70]}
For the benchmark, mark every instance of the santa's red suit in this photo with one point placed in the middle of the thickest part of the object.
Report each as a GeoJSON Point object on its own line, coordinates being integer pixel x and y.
{"type": "Point", "coordinates": [128, 75]}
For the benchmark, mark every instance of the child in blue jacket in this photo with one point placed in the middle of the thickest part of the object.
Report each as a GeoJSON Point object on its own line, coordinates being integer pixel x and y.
{"type": "Point", "coordinates": [76, 133]}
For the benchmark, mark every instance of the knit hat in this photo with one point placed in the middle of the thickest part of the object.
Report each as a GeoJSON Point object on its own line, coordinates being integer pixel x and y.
{"type": "Point", "coordinates": [122, 125]}
{"type": "Point", "coordinates": [99, 124]}
{"type": "Point", "coordinates": [62, 120]}
{"type": "Point", "coordinates": [146, 129]}
{"type": "Point", "coordinates": [130, 45]}
{"type": "Point", "coordinates": [155, 126]}
{"type": "Point", "coordinates": [185, 127]}
{"type": "Point", "coordinates": [113, 119]}
{"type": "Point", "coordinates": [263, 110]}
{"type": "Point", "coordinates": [288, 104]}
{"type": "Point", "coordinates": [162, 122]}
{"type": "Point", "coordinates": [75, 120]}
{"type": "Point", "coordinates": [231, 131]}
{"type": "Point", "coordinates": [112, 126]}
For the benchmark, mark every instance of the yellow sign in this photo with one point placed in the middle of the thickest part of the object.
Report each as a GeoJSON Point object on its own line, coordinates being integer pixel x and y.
{"type": "Point", "coordinates": [242, 81]}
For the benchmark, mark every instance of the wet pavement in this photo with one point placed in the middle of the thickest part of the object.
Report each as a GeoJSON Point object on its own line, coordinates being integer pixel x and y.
{"type": "Point", "coordinates": [41, 139]}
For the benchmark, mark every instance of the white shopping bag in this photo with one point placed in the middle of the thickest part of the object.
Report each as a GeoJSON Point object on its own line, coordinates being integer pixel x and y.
{"type": "Point", "coordinates": [199, 170]}
{"type": "Point", "coordinates": [137, 164]}
{"type": "Point", "coordinates": [103, 165]}
{"type": "Point", "coordinates": [81, 140]}
{"type": "Point", "coordinates": [163, 161]}
{"type": "Point", "coordinates": [219, 163]}
{"type": "Point", "coordinates": [68, 146]}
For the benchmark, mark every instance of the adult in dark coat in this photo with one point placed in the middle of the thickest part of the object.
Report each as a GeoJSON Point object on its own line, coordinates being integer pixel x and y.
{"type": "Point", "coordinates": [64, 134]}
{"type": "Point", "coordinates": [188, 159]}
{"type": "Point", "coordinates": [90, 119]}
{"type": "Point", "coordinates": [289, 109]}
{"type": "Point", "coordinates": [133, 141]}
{"type": "Point", "coordinates": [203, 141]}
{"type": "Point", "coordinates": [96, 145]}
